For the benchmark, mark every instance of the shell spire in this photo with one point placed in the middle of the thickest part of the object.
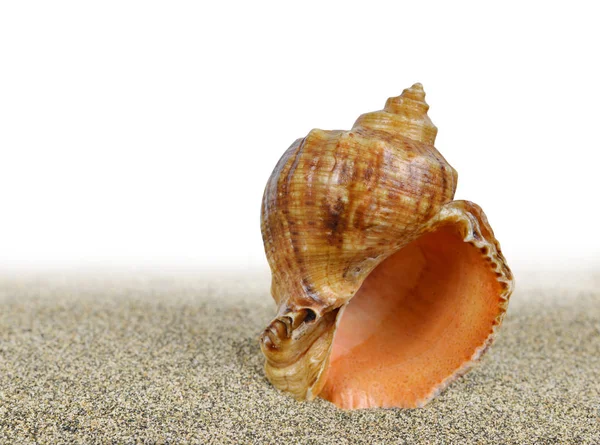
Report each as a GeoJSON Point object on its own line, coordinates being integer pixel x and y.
{"type": "Point", "coordinates": [405, 114]}
{"type": "Point", "coordinates": [412, 100]}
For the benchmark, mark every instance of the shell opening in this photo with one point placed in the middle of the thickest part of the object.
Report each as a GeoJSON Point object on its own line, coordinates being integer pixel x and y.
{"type": "Point", "coordinates": [417, 322]}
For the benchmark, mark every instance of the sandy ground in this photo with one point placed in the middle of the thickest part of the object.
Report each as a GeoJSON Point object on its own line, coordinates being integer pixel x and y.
{"type": "Point", "coordinates": [172, 358]}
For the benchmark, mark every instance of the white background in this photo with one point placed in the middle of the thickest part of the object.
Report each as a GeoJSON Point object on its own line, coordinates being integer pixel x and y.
{"type": "Point", "coordinates": [142, 133]}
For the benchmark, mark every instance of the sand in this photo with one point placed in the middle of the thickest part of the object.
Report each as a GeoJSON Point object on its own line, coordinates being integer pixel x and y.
{"type": "Point", "coordinates": [172, 358]}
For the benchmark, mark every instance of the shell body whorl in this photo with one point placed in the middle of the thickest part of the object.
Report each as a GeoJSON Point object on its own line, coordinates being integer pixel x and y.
{"type": "Point", "coordinates": [338, 204]}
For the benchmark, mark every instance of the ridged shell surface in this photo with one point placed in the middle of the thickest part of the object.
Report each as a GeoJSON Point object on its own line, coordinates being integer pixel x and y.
{"type": "Point", "coordinates": [337, 204]}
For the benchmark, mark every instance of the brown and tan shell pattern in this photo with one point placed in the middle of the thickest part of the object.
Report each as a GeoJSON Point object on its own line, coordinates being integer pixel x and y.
{"type": "Point", "coordinates": [386, 289]}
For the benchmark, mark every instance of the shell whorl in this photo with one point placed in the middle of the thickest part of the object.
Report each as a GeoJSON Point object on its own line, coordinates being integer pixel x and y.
{"type": "Point", "coordinates": [338, 202]}
{"type": "Point", "coordinates": [404, 115]}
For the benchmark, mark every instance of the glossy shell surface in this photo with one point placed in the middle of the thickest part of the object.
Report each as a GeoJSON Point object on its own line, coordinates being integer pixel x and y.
{"type": "Point", "coordinates": [386, 288]}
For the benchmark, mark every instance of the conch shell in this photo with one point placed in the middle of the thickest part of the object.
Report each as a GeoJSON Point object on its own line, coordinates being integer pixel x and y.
{"type": "Point", "coordinates": [387, 289]}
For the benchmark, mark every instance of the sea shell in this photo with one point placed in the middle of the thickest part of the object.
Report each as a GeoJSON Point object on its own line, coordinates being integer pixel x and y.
{"type": "Point", "coordinates": [387, 289]}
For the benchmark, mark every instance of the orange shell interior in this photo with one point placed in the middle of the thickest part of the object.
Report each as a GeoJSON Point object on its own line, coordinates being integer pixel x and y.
{"type": "Point", "coordinates": [417, 320]}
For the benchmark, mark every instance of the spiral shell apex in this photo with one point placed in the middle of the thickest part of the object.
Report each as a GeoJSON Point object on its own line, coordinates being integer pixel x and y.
{"type": "Point", "coordinates": [386, 288]}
